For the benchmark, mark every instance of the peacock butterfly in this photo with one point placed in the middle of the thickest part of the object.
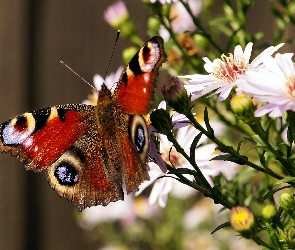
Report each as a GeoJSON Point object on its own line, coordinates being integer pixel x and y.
{"type": "Point", "coordinates": [88, 151]}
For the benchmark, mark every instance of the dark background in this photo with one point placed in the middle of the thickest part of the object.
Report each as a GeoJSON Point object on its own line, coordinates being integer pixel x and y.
{"type": "Point", "coordinates": [34, 37]}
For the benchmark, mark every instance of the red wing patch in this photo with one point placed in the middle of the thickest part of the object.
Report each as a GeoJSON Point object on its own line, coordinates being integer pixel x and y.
{"type": "Point", "coordinates": [134, 93]}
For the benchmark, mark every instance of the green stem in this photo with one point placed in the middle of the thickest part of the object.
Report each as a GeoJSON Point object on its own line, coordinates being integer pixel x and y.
{"type": "Point", "coordinates": [230, 150]}
{"type": "Point", "coordinates": [188, 60]}
{"type": "Point", "coordinates": [211, 192]}
{"type": "Point", "coordinates": [262, 134]}
{"type": "Point", "coordinates": [260, 242]}
{"type": "Point", "coordinates": [201, 28]}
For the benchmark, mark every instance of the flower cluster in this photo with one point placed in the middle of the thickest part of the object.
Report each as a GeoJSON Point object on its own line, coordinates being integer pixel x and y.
{"type": "Point", "coordinates": [223, 128]}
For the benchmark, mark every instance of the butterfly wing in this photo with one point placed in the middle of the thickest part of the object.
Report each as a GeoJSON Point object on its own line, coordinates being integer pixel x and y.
{"type": "Point", "coordinates": [135, 153]}
{"type": "Point", "coordinates": [134, 92]}
{"type": "Point", "coordinates": [64, 140]}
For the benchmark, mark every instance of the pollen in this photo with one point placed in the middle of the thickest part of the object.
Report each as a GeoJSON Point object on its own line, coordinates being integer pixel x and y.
{"type": "Point", "coordinates": [228, 68]}
{"type": "Point", "coordinates": [173, 157]}
{"type": "Point", "coordinates": [290, 83]}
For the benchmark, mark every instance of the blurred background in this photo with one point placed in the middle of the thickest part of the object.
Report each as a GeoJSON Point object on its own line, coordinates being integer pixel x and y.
{"type": "Point", "coordinates": [34, 37]}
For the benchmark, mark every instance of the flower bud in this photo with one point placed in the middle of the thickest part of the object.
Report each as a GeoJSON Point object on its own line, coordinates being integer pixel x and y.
{"type": "Point", "coordinates": [116, 14]}
{"type": "Point", "coordinates": [287, 202]}
{"type": "Point", "coordinates": [128, 53]}
{"type": "Point", "coordinates": [242, 220]}
{"type": "Point", "coordinates": [243, 106]}
{"type": "Point", "coordinates": [268, 212]}
{"type": "Point", "coordinates": [154, 24]}
{"type": "Point", "coordinates": [161, 121]}
{"type": "Point", "coordinates": [176, 96]}
{"type": "Point", "coordinates": [118, 17]}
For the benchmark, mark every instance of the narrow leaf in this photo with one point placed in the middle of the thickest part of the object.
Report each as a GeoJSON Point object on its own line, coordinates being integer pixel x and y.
{"type": "Point", "coordinates": [258, 140]}
{"type": "Point", "coordinates": [182, 171]}
{"type": "Point", "coordinates": [285, 180]}
{"type": "Point", "coordinates": [223, 225]}
{"type": "Point", "coordinates": [206, 120]}
{"type": "Point", "coordinates": [194, 145]}
{"type": "Point", "coordinates": [270, 193]}
{"type": "Point", "coordinates": [223, 157]}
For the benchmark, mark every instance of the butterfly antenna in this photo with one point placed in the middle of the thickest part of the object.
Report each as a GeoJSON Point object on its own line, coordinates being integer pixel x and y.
{"type": "Point", "coordinates": [63, 63]}
{"type": "Point", "coordinates": [117, 38]}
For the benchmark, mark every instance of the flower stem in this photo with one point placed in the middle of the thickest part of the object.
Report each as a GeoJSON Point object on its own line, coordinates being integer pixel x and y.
{"type": "Point", "coordinates": [262, 134]}
{"type": "Point", "coordinates": [211, 192]}
{"type": "Point", "coordinates": [201, 28]}
{"type": "Point", "coordinates": [260, 242]}
{"type": "Point", "coordinates": [229, 150]}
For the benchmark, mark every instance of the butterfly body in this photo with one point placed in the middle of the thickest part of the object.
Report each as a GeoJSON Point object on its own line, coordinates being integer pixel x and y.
{"type": "Point", "coordinates": [89, 151]}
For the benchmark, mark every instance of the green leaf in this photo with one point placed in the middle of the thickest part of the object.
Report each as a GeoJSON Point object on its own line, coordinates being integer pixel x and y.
{"type": "Point", "coordinates": [182, 171]}
{"type": "Point", "coordinates": [285, 180]}
{"type": "Point", "coordinates": [249, 139]}
{"type": "Point", "coordinates": [290, 135]}
{"type": "Point", "coordinates": [270, 193]}
{"type": "Point", "coordinates": [223, 157]}
{"type": "Point", "coordinates": [223, 225]}
{"type": "Point", "coordinates": [258, 140]}
{"type": "Point", "coordinates": [273, 237]}
{"type": "Point", "coordinates": [194, 145]}
{"type": "Point", "coordinates": [228, 157]}
{"type": "Point", "coordinates": [206, 120]}
{"type": "Point", "coordinates": [262, 160]}
{"type": "Point", "coordinates": [239, 146]}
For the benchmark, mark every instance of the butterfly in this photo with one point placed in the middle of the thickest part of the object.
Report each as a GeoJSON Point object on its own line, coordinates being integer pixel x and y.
{"type": "Point", "coordinates": [89, 152]}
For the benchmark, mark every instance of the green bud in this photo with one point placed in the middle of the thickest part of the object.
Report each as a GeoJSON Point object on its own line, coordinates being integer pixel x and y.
{"type": "Point", "coordinates": [282, 236]}
{"type": "Point", "coordinates": [161, 121]}
{"type": "Point", "coordinates": [243, 107]}
{"type": "Point", "coordinates": [153, 24]}
{"type": "Point", "coordinates": [176, 96]}
{"type": "Point", "coordinates": [127, 28]}
{"type": "Point", "coordinates": [166, 10]}
{"type": "Point", "coordinates": [287, 202]}
{"type": "Point", "coordinates": [268, 212]}
{"type": "Point", "coordinates": [201, 41]}
{"type": "Point", "coordinates": [128, 53]}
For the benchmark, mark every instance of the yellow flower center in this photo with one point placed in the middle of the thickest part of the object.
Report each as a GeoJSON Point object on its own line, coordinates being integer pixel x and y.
{"type": "Point", "coordinates": [227, 69]}
{"type": "Point", "coordinates": [241, 219]}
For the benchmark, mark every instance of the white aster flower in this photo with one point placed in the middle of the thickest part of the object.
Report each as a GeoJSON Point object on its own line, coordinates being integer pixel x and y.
{"type": "Point", "coordinates": [274, 84]}
{"type": "Point", "coordinates": [163, 186]}
{"type": "Point", "coordinates": [224, 72]}
{"type": "Point", "coordinates": [110, 81]}
{"type": "Point", "coordinates": [119, 210]}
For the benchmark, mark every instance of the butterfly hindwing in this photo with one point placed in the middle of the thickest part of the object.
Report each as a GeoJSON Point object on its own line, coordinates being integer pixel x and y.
{"type": "Point", "coordinates": [135, 154]}
{"type": "Point", "coordinates": [65, 141]}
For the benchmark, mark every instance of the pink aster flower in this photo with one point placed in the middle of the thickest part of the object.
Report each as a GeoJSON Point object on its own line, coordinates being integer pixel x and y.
{"type": "Point", "coordinates": [116, 14]}
{"type": "Point", "coordinates": [274, 84]}
{"type": "Point", "coordinates": [224, 72]}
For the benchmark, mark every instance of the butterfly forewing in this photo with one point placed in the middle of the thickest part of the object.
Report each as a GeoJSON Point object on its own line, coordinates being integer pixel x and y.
{"type": "Point", "coordinates": [134, 93]}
